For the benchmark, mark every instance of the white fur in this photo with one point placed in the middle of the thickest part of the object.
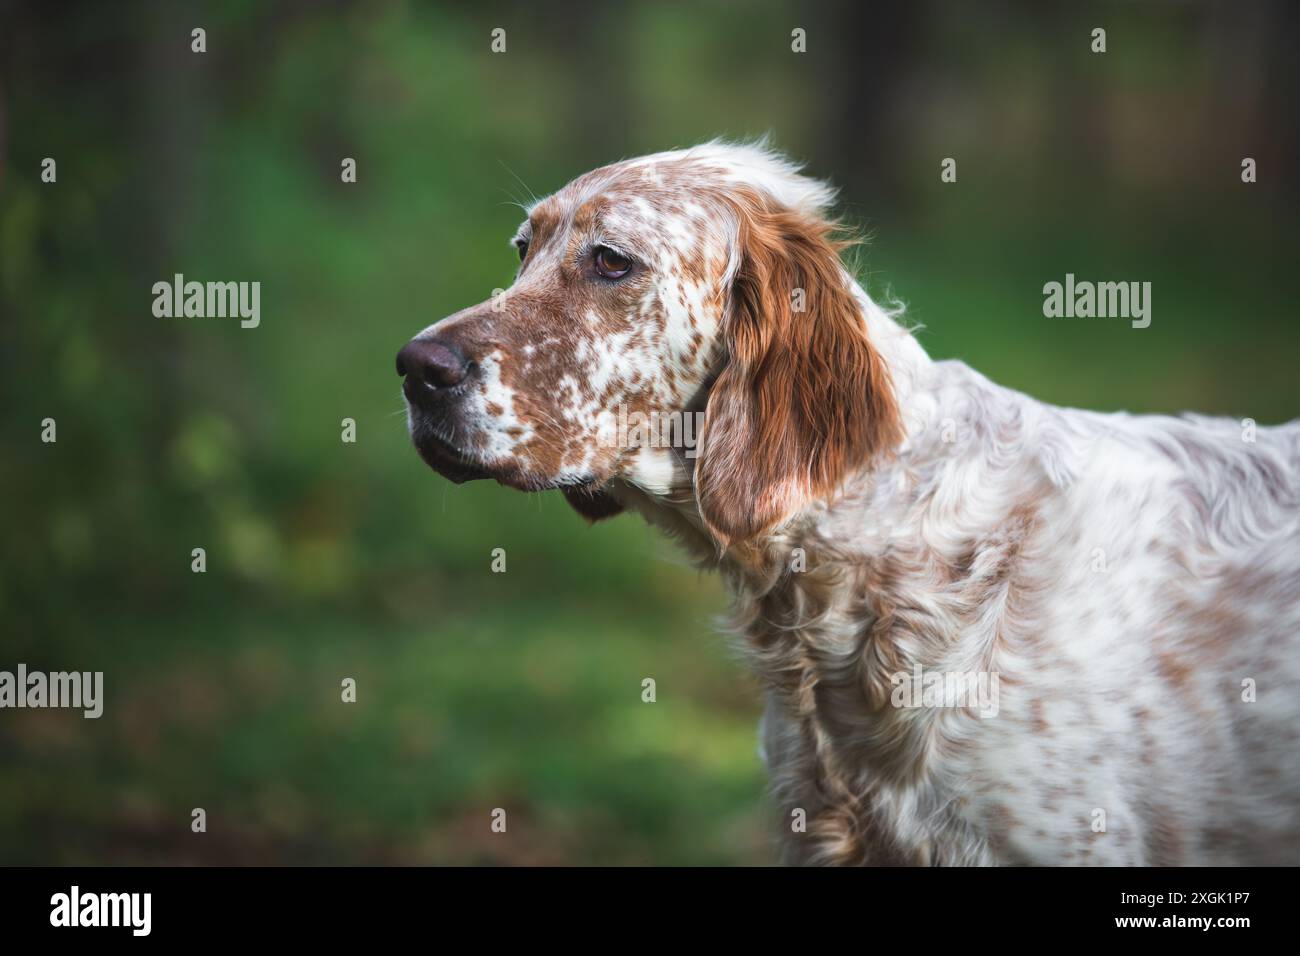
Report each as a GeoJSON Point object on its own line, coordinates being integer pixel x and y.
{"type": "Point", "coordinates": [1126, 578]}
{"type": "Point", "coordinates": [1123, 575]}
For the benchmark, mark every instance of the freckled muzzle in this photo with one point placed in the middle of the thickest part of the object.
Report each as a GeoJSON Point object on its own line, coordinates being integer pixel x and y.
{"type": "Point", "coordinates": [467, 424]}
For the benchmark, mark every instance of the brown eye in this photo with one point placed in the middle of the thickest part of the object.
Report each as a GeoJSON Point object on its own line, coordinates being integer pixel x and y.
{"type": "Point", "coordinates": [522, 246]}
{"type": "Point", "coordinates": [611, 264]}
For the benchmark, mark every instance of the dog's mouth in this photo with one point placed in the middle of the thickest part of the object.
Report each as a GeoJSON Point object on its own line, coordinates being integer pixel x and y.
{"type": "Point", "coordinates": [447, 460]}
{"type": "Point", "coordinates": [459, 466]}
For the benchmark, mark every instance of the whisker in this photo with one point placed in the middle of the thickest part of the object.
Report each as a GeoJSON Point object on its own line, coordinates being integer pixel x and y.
{"type": "Point", "coordinates": [517, 179]}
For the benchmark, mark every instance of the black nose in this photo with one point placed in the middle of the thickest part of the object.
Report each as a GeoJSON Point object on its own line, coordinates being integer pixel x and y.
{"type": "Point", "coordinates": [436, 363]}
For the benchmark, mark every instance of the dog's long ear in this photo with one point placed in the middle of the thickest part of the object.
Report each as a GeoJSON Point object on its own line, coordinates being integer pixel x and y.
{"type": "Point", "coordinates": [803, 397]}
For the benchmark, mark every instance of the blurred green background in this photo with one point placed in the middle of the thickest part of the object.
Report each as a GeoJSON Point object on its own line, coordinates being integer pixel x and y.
{"type": "Point", "coordinates": [329, 560]}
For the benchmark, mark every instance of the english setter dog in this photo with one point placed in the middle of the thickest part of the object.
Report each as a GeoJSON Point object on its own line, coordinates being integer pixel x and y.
{"type": "Point", "coordinates": [990, 630]}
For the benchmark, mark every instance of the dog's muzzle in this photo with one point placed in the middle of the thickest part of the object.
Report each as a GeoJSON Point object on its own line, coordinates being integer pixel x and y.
{"type": "Point", "coordinates": [435, 372]}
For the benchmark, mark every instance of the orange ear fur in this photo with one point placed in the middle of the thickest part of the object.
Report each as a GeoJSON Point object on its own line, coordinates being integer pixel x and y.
{"type": "Point", "coordinates": [804, 397]}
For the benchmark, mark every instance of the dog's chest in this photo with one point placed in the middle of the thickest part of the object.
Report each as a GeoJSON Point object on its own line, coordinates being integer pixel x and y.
{"type": "Point", "coordinates": [860, 774]}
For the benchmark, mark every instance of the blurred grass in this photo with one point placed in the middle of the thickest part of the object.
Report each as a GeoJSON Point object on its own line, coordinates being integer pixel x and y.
{"type": "Point", "coordinates": [469, 710]}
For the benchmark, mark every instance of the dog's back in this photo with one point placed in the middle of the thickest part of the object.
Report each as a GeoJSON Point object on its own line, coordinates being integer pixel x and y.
{"type": "Point", "coordinates": [1133, 585]}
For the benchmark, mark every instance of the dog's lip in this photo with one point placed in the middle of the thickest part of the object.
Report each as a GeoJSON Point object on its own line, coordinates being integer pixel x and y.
{"type": "Point", "coordinates": [448, 460]}
{"type": "Point", "coordinates": [458, 466]}
{"type": "Point", "coordinates": [521, 480]}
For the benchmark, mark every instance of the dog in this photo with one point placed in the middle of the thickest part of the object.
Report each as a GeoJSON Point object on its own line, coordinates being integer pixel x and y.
{"type": "Point", "coordinates": [989, 630]}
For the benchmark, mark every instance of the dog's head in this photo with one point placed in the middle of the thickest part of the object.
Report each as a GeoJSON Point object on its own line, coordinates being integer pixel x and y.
{"type": "Point", "coordinates": [682, 314]}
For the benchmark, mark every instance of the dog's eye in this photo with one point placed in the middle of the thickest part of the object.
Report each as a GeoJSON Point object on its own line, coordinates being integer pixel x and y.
{"type": "Point", "coordinates": [611, 264]}
{"type": "Point", "coordinates": [522, 246]}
